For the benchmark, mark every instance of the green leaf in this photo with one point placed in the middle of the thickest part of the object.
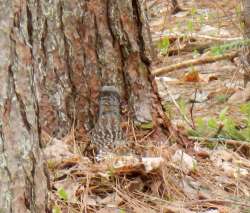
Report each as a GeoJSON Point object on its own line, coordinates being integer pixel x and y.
{"type": "Point", "coordinates": [190, 26]}
{"type": "Point", "coordinates": [222, 115]}
{"type": "Point", "coordinates": [183, 106]}
{"type": "Point", "coordinates": [56, 209]}
{"type": "Point", "coordinates": [148, 125]}
{"type": "Point", "coordinates": [193, 11]}
{"type": "Point", "coordinates": [217, 50]}
{"type": "Point", "coordinates": [246, 133]}
{"type": "Point", "coordinates": [231, 131]}
{"type": "Point", "coordinates": [201, 127]}
{"type": "Point", "coordinates": [192, 132]}
{"type": "Point", "coordinates": [212, 123]}
{"type": "Point", "coordinates": [238, 11]}
{"type": "Point", "coordinates": [62, 194]}
{"type": "Point", "coordinates": [200, 123]}
{"type": "Point", "coordinates": [202, 19]}
{"type": "Point", "coordinates": [164, 44]}
{"type": "Point", "coordinates": [245, 108]}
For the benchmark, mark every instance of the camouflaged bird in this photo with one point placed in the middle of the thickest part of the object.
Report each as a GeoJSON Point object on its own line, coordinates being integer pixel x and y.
{"type": "Point", "coordinates": [107, 133]}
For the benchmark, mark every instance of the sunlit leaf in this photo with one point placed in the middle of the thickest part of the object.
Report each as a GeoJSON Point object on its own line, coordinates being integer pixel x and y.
{"type": "Point", "coordinates": [223, 113]}
{"type": "Point", "coordinates": [62, 194]}
{"type": "Point", "coordinates": [212, 123]}
{"type": "Point", "coordinates": [56, 209]}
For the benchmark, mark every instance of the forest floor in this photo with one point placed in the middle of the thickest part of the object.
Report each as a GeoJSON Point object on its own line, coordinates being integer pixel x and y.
{"type": "Point", "coordinates": [207, 104]}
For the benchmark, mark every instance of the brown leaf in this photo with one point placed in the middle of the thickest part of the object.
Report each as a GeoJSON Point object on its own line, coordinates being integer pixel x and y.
{"type": "Point", "coordinates": [192, 76]}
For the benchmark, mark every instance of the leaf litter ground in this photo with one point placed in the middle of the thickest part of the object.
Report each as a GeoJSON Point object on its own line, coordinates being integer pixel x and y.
{"type": "Point", "coordinates": [209, 176]}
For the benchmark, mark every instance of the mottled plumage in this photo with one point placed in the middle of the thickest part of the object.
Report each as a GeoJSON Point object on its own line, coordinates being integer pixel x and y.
{"type": "Point", "coordinates": [107, 134]}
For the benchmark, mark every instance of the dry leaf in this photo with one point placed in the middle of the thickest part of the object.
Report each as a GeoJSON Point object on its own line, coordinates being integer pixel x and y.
{"type": "Point", "coordinates": [192, 76]}
{"type": "Point", "coordinates": [185, 162]}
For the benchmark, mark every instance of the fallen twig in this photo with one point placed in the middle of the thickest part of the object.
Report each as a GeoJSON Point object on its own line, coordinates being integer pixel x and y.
{"type": "Point", "coordinates": [226, 141]}
{"type": "Point", "coordinates": [193, 46]}
{"type": "Point", "coordinates": [193, 62]}
{"type": "Point", "coordinates": [194, 36]}
{"type": "Point", "coordinates": [217, 201]}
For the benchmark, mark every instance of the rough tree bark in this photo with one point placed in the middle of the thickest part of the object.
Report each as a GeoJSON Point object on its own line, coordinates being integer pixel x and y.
{"type": "Point", "coordinates": [56, 56]}
{"type": "Point", "coordinates": [246, 57]}
{"type": "Point", "coordinates": [23, 182]}
{"type": "Point", "coordinates": [81, 46]}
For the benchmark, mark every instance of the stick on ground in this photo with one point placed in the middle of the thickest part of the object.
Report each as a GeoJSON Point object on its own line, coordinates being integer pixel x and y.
{"type": "Point", "coordinates": [193, 62]}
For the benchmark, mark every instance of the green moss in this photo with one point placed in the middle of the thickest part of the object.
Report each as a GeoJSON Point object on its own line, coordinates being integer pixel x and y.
{"type": "Point", "coordinates": [148, 125]}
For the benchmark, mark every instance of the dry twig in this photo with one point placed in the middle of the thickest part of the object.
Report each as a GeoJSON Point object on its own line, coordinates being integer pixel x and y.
{"type": "Point", "coordinates": [193, 62]}
{"type": "Point", "coordinates": [194, 36]}
{"type": "Point", "coordinates": [225, 141]}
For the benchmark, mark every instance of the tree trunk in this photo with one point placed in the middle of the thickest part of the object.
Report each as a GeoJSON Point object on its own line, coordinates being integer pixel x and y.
{"type": "Point", "coordinates": [81, 46]}
{"type": "Point", "coordinates": [60, 60]}
{"type": "Point", "coordinates": [23, 183]}
{"type": "Point", "coordinates": [246, 21]}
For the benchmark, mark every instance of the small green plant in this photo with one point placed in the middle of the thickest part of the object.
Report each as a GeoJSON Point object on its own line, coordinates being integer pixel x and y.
{"type": "Point", "coordinates": [204, 128]}
{"type": "Point", "coordinates": [222, 98]}
{"type": "Point", "coordinates": [183, 106]}
{"type": "Point", "coordinates": [62, 194]}
{"type": "Point", "coordinates": [202, 19]}
{"type": "Point", "coordinates": [193, 11]}
{"type": "Point", "coordinates": [223, 126]}
{"type": "Point", "coordinates": [146, 126]}
{"type": "Point", "coordinates": [238, 11]}
{"type": "Point", "coordinates": [190, 26]}
{"type": "Point", "coordinates": [56, 209]}
{"type": "Point", "coordinates": [234, 45]}
{"type": "Point", "coordinates": [163, 45]}
{"type": "Point", "coordinates": [245, 109]}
